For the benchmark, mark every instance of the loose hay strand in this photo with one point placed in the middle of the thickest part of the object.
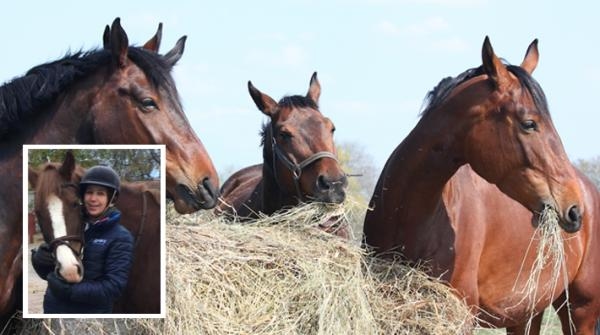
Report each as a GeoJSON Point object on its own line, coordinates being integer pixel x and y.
{"type": "Point", "coordinates": [550, 254]}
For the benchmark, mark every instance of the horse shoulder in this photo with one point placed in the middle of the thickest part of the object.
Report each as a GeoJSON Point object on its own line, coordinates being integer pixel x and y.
{"type": "Point", "coordinates": [586, 284]}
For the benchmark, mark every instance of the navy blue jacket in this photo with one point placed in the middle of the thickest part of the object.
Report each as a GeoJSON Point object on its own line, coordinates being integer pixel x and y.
{"type": "Point", "coordinates": [107, 259]}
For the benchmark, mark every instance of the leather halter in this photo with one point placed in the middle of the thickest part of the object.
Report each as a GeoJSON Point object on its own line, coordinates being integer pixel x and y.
{"type": "Point", "coordinates": [296, 169]}
{"type": "Point", "coordinates": [64, 240]}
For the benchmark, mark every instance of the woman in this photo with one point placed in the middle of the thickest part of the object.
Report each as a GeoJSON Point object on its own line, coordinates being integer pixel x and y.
{"type": "Point", "coordinates": [107, 256]}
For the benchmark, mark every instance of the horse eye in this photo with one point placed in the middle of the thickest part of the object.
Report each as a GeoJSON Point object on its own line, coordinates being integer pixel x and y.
{"type": "Point", "coordinates": [285, 135]}
{"type": "Point", "coordinates": [529, 125]}
{"type": "Point", "coordinates": [149, 105]}
{"type": "Point", "coordinates": [333, 129]}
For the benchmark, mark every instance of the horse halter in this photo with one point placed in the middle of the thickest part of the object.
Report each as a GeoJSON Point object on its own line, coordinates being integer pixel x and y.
{"type": "Point", "coordinates": [296, 169]}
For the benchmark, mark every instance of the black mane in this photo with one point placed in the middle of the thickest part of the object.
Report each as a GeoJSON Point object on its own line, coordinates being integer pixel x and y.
{"type": "Point", "coordinates": [23, 97]}
{"type": "Point", "coordinates": [440, 92]}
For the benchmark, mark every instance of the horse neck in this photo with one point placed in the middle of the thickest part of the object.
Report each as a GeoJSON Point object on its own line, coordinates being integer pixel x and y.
{"type": "Point", "coordinates": [67, 120]}
{"type": "Point", "coordinates": [273, 197]}
{"type": "Point", "coordinates": [422, 165]}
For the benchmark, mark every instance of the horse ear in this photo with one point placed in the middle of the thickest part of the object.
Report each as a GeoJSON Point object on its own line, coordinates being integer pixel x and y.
{"type": "Point", "coordinates": [314, 90]}
{"type": "Point", "coordinates": [154, 43]}
{"type": "Point", "coordinates": [32, 176]}
{"type": "Point", "coordinates": [531, 57]}
{"type": "Point", "coordinates": [492, 65]}
{"type": "Point", "coordinates": [106, 38]}
{"type": "Point", "coordinates": [68, 166]}
{"type": "Point", "coordinates": [118, 43]}
{"type": "Point", "coordinates": [265, 103]}
{"type": "Point", "coordinates": [173, 56]}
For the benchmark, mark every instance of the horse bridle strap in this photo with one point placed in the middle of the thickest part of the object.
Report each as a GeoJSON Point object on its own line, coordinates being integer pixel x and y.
{"type": "Point", "coordinates": [296, 169]}
{"type": "Point", "coordinates": [64, 240]}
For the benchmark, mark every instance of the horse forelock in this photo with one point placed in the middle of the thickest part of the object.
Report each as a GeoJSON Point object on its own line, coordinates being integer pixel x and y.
{"type": "Point", "coordinates": [156, 68]}
{"type": "Point", "coordinates": [48, 182]}
{"type": "Point", "coordinates": [297, 101]}
{"type": "Point", "coordinates": [287, 102]}
{"type": "Point", "coordinates": [23, 97]}
{"type": "Point", "coordinates": [531, 86]}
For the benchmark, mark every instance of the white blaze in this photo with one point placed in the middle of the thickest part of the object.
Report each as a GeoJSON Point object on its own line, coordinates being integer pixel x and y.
{"type": "Point", "coordinates": [55, 207]}
{"type": "Point", "coordinates": [64, 255]}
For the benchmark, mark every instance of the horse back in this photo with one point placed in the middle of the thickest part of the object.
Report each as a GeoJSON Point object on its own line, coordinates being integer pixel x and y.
{"type": "Point", "coordinates": [139, 203]}
{"type": "Point", "coordinates": [241, 194]}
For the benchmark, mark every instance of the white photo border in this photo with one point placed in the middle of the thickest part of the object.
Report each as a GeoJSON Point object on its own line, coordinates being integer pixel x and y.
{"type": "Point", "coordinates": [163, 245]}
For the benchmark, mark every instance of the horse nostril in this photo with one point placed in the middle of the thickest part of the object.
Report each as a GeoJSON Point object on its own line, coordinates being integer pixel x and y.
{"type": "Point", "coordinates": [323, 184]}
{"type": "Point", "coordinates": [210, 187]}
{"type": "Point", "coordinates": [573, 214]}
{"type": "Point", "coordinates": [208, 193]}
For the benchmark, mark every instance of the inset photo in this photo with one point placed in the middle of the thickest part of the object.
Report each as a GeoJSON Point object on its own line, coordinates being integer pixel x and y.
{"type": "Point", "coordinates": [95, 242]}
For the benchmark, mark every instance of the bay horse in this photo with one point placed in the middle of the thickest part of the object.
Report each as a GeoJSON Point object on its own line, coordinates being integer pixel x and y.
{"type": "Point", "coordinates": [118, 94]}
{"type": "Point", "coordinates": [299, 159]}
{"type": "Point", "coordinates": [464, 189]}
{"type": "Point", "coordinates": [58, 209]}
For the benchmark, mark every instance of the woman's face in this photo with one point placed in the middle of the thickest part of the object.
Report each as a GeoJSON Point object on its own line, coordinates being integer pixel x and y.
{"type": "Point", "coordinates": [95, 199]}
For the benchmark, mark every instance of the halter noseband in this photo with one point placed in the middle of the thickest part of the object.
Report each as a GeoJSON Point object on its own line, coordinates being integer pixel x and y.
{"type": "Point", "coordinates": [64, 240]}
{"type": "Point", "coordinates": [296, 169]}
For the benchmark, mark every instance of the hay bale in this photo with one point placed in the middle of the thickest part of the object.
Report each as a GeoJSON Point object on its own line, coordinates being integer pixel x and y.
{"type": "Point", "coordinates": [291, 278]}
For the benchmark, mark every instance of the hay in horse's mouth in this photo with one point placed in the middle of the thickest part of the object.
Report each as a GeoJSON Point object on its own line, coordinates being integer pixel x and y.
{"type": "Point", "coordinates": [549, 254]}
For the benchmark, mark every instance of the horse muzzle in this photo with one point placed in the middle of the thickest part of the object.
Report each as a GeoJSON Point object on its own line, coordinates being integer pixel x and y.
{"type": "Point", "coordinates": [331, 191]}
{"type": "Point", "coordinates": [203, 197]}
{"type": "Point", "coordinates": [570, 221]}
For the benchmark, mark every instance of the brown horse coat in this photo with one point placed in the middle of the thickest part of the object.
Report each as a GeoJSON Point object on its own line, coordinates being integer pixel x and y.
{"type": "Point", "coordinates": [299, 162]}
{"type": "Point", "coordinates": [118, 95]}
{"type": "Point", "coordinates": [461, 192]}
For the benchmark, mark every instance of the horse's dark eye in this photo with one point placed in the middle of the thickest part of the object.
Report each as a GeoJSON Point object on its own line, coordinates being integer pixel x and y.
{"type": "Point", "coordinates": [149, 105]}
{"type": "Point", "coordinates": [285, 135]}
{"type": "Point", "coordinates": [333, 129]}
{"type": "Point", "coordinates": [529, 125]}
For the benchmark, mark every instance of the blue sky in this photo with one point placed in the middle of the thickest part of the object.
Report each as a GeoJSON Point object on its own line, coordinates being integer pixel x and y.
{"type": "Point", "coordinates": [376, 59]}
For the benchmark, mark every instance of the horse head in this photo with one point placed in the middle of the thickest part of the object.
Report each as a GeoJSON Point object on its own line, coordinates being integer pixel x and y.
{"type": "Point", "coordinates": [139, 103]}
{"type": "Point", "coordinates": [298, 146]}
{"type": "Point", "coordinates": [58, 211]}
{"type": "Point", "coordinates": [510, 140]}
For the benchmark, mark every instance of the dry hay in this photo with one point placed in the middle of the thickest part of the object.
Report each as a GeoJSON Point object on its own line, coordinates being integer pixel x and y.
{"type": "Point", "coordinates": [549, 254]}
{"type": "Point", "coordinates": [291, 278]}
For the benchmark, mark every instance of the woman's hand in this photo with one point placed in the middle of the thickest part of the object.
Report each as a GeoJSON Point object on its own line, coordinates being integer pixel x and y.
{"type": "Point", "coordinates": [60, 288]}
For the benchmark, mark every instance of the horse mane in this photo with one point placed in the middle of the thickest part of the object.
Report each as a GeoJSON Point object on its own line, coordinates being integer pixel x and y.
{"type": "Point", "coordinates": [291, 101]}
{"type": "Point", "coordinates": [23, 97]}
{"type": "Point", "coordinates": [440, 92]}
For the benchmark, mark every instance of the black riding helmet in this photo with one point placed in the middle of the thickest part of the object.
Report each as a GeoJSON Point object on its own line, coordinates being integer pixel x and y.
{"type": "Point", "coordinates": [103, 176]}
